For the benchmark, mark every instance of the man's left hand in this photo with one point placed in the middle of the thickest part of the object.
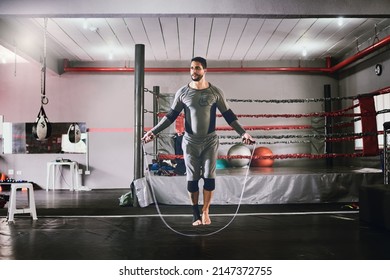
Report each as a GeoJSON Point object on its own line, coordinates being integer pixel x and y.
{"type": "Point", "coordinates": [247, 139]}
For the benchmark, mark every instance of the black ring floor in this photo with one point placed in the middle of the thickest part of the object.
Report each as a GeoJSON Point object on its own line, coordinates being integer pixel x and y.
{"type": "Point", "coordinates": [92, 226]}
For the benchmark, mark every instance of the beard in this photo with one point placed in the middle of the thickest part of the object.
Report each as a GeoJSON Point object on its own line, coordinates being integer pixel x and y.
{"type": "Point", "coordinates": [196, 78]}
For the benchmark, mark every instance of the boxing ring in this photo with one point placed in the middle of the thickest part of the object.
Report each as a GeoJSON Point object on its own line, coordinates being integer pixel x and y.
{"type": "Point", "coordinates": [311, 169]}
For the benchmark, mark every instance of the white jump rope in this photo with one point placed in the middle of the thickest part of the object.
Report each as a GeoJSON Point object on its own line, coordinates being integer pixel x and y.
{"type": "Point", "coordinates": [205, 234]}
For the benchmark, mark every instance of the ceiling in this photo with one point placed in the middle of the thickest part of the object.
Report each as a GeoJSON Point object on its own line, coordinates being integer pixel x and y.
{"type": "Point", "coordinates": [235, 39]}
{"type": "Point", "coordinates": [227, 39]}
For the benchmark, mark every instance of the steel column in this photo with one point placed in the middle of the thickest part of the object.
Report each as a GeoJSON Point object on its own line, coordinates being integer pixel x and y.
{"type": "Point", "coordinates": [156, 94]}
{"type": "Point", "coordinates": [139, 74]}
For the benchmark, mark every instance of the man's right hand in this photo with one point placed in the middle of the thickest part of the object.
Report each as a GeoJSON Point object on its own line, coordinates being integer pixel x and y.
{"type": "Point", "coordinates": [148, 137]}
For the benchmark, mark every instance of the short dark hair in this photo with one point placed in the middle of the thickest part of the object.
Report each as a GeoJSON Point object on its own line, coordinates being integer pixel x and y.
{"type": "Point", "coordinates": [201, 60]}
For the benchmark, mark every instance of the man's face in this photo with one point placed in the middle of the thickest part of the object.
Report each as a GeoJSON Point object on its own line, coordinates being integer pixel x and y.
{"type": "Point", "coordinates": [197, 71]}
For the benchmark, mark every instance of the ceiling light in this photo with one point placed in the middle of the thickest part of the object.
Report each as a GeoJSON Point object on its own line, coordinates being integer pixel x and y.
{"type": "Point", "coordinates": [304, 52]}
{"type": "Point", "coordinates": [340, 21]}
{"type": "Point", "coordinates": [85, 24]}
{"type": "Point", "coordinates": [88, 26]}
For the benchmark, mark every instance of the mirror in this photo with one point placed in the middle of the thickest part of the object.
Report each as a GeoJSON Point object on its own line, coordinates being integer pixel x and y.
{"type": "Point", "coordinates": [18, 139]}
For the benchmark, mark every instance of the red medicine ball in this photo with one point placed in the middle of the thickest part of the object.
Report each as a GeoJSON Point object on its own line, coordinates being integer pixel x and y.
{"type": "Point", "coordinates": [262, 162]}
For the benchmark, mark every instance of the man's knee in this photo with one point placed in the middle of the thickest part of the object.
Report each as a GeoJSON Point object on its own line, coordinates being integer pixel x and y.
{"type": "Point", "coordinates": [209, 184]}
{"type": "Point", "coordinates": [193, 186]}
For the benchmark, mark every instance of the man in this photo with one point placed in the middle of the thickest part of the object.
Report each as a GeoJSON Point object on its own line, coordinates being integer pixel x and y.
{"type": "Point", "coordinates": [199, 100]}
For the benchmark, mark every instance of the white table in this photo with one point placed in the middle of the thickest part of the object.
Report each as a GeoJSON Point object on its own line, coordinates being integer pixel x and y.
{"type": "Point", "coordinates": [51, 173]}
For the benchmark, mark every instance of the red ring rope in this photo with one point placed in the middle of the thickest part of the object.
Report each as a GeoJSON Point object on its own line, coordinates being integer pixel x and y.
{"type": "Point", "coordinates": [281, 156]}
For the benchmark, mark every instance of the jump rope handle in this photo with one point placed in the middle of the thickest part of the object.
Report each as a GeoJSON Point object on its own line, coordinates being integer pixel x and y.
{"type": "Point", "coordinates": [251, 142]}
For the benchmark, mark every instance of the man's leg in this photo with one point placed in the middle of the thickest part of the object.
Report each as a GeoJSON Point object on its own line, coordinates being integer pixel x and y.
{"type": "Point", "coordinates": [207, 195]}
{"type": "Point", "coordinates": [208, 189]}
{"type": "Point", "coordinates": [193, 189]}
{"type": "Point", "coordinates": [209, 163]}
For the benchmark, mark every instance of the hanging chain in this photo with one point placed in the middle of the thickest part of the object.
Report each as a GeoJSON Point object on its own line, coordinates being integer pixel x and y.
{"type": "Point", "coordinates": [150, 91]}
{"type": "Point", "coordinates": [376, 39]}
{"type": "Point", "coordinates": [44, 99]}
{"type": "Point", "coordinates": [15, 57]}
{"type": "Point", "coordinates": [357, 45]}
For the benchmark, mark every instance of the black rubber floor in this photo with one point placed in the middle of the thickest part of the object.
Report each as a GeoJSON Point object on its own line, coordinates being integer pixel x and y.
{"type": "Point", "coordinates": [91, 225]}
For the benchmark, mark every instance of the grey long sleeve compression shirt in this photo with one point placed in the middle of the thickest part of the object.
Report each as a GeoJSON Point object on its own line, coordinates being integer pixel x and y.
{"type": "Point", "coordinates": [200, 111]}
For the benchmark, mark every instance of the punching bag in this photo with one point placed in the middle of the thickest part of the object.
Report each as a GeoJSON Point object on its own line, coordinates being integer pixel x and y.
{"type": "Point", "coordinates": [74, 133]}
{"type": "Point", "coordinates": [42, 128]}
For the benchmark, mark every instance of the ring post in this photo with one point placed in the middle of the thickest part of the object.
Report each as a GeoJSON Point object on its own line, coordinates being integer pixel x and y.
{"type": "Point", "coordinates": [386, 163]}
{"type": "Point", "coordinates": [139, 73]}
{"type": "Point", "coordinates": [156, 94]}
{"type": "Point", "coordinates": [328, 124]}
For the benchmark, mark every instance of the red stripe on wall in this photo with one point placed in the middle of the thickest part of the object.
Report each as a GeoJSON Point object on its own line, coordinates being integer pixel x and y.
{"type": "Point", "coordinates": [110, 129]}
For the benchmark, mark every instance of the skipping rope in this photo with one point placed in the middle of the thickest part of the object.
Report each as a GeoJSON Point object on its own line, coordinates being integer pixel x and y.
{"type": "Point", "coordinates": [204, 234]}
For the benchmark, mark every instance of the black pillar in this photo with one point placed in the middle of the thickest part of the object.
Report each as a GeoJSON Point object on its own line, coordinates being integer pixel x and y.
{"type": "Point", "coordinates": [156, 94]}
{"type": "Point", "coordinates": [139, 73]}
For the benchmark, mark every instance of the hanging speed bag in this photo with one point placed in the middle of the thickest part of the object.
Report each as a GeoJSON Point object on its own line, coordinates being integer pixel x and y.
{"type": "Point", "coordinates": [41, 130]}
{"type": "Point", "coordinates": [74, 133]}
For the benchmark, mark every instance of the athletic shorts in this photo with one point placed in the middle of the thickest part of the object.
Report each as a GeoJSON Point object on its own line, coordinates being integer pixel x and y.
{"type": "Point", "coordinates": [200, 156]}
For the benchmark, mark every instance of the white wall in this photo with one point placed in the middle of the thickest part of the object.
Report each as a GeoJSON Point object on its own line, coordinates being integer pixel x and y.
{"type": "Point", "coordinates": [106, 101]}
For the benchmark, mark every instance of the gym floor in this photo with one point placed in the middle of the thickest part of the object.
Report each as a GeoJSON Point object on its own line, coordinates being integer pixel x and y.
{"type": "Point", "coordinates": [90, 225]}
